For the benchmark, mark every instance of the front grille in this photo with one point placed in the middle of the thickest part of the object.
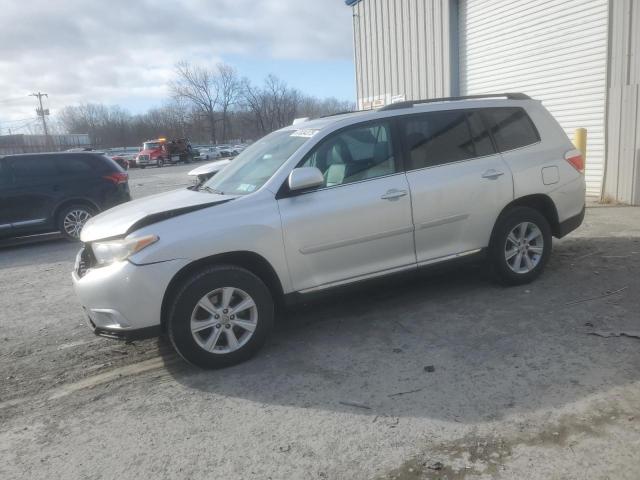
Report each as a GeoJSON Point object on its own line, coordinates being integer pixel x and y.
{"type": "Point", "coordinates": [143, 158]}
{"type": "Point", "coordinates": [86, 260]}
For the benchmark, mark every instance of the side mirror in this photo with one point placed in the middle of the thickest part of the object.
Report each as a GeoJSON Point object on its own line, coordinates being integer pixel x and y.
{"type": "Point", "coordinates": [305, 177]}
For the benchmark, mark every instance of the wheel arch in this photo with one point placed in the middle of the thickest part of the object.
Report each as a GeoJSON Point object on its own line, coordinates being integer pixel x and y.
{"type": "Point", "coordinates": [540, 202]}
{"type": "Point", "coordinates": [73, 201]}
{"type": "Point", "coordinates": [251, 261]}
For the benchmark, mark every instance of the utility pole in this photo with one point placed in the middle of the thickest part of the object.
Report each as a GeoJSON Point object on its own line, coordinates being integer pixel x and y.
{"type": "Point", "coordinates": [41, 113]}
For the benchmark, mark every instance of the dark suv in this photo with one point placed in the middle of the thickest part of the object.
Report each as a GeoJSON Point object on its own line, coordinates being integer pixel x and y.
{"type": "Point", "coordinates": [45, 192]}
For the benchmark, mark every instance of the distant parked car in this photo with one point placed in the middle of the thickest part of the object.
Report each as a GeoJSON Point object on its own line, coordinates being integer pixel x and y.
{"type": "Point", "coordinates": [125, 157]}
{"type": "Point", "coordinates": [227, 151]}
{"type": "Point", "coordinates": [45, 192]}
{"type": "Point", "coordinates": [206, 171]}
{"type": "Point", "coordinates": [209, 153]}
{"type": "Point", "coordinates": [121, 160]}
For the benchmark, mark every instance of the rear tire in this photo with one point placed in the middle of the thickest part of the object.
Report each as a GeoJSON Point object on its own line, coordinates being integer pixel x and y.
{"type": "Point", "coordinates": [231, 311]}
{"type": "Point", "coordinates": [72, 218]}
{"type": "Point", "coordinates": [520, 246]}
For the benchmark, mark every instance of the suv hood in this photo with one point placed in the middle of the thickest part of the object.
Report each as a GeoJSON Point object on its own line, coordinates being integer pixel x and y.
{"type": "Point", "coordinates": [127, 217]}
{"type": "Point", "coordinates": [209, 167]}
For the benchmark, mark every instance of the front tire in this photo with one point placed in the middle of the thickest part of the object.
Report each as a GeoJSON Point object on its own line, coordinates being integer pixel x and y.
{"type": "Point", "coordinates": [72, 218]}
{"type": "Point", "coordinates": [220, 316]}
{"type": "Point", "coordinates": [520, 246]}
{"type": "Point", "coordinates": [160, 163]}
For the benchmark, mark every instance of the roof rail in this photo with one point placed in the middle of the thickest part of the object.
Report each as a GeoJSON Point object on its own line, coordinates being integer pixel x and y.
{"type": "Point", "coordinates": [411, 103]}
{"type": "Point", "coordinates": [344, 112]}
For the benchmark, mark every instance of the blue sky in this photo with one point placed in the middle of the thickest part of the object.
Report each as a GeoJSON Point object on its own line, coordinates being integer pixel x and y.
{"type": "Point", "coordinates": [322, 78]}
{"type": "Point", "coordinates": [123, 52]}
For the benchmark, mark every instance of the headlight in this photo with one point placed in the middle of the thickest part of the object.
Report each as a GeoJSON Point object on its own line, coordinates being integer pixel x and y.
{"type": "Point", "coordinates": [117, 250]}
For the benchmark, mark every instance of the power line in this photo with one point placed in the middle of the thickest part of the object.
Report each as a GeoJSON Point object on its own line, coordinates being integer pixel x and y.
{"type": "Point", "coordinates": [12, 99]}
{"type": "Point", "coordinates": [14, 129]}
{"type": "Point", "coordinates": [19, 120]}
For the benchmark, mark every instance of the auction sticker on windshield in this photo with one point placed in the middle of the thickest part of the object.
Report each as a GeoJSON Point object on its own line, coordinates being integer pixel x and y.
{"type": "Point", "coordinates": [305, 132]}
{"type": "Point", "coordinates": [246, 187]}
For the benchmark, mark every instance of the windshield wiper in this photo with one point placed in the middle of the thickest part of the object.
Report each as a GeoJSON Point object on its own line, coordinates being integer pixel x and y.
{"type": "Point", "coordinates": [211, 190]}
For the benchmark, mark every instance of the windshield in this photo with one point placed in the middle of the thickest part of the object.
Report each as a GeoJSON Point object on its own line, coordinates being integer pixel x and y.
{"type": "Point", "coordinates": [150, 145]}
{"type": "Point", "coordinates": [256, 164]}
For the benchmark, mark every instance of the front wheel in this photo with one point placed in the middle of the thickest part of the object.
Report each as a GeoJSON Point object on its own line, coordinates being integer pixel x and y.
{"type": "Point", "coordinates": [520, 246]}
{"type": "Point", "coordinates": [160, 163]}
{"type": "Point", "coordinates": [221, 316]}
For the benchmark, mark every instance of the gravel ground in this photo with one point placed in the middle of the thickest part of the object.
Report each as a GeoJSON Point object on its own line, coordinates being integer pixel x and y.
{"type": "Point", "coordinates": [430, 376]}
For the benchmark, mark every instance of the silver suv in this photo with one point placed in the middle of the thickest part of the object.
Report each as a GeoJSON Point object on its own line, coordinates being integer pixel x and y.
{"type": "Point", "coordinates": [329, 202]}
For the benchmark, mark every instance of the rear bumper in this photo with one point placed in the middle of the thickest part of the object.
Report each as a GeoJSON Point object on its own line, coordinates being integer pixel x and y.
{"type": "Point", "coordinates": [570, 224]}
{"type": "Point", "coordinates": [120, 194]}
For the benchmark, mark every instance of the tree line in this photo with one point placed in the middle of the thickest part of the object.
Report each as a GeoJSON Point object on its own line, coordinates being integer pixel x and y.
{"type": "Point", "coordinates": [213, 105]}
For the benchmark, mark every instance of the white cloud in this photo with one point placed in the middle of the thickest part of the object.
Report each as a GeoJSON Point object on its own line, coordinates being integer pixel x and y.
{"type": "Point", "coordinates": [118, 50]}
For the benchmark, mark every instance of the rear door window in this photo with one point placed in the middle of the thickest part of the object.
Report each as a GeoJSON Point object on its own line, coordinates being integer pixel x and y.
{"type": "Point", "coordinates": [511, 127]}
{"type": "Point", "coordinates": [480, 134]}
{"type": "Point", "coordinates": [32, 168]}
{"type": "Point", "coordinates": [437, 138]}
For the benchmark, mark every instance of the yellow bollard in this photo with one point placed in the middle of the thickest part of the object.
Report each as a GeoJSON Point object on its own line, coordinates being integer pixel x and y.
{"type": "Point", "coordinates": [580, 142]}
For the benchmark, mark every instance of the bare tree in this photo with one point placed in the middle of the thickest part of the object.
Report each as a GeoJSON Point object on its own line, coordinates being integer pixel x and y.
{"type": "Point", "coordinates": [201, 99]}
{"type": "Point", "coordinates": [198, 86]}
{"type": "Point", "coordinates": [253, 100]}
{"type": "Point", "coordinates": [229, 87]}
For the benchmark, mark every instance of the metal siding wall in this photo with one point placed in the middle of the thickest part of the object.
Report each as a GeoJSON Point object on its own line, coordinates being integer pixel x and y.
{"type": "Point", "coordinates": [402, 47]}
{"type": "Point", "coordinates": [553, 50]}
{"type": "Point", "coordinates": [622, 175]}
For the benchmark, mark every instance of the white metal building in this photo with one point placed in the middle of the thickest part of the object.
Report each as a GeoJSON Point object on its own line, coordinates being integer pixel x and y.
{"type": "Point", "coordinates": [580, 57]}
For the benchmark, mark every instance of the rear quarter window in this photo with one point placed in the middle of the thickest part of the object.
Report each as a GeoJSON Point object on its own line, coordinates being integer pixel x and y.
{"type": "Point", "coordinates": [102, 163]}
{"type": "Point", "coordinates": [511, 127]}
{"type": "Point", "coordinates": [75, 165]}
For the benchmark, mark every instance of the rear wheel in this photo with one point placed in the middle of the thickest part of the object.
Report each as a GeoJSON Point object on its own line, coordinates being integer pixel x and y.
{"type": "Point", "coordinates": [520, 246]}
{"type": "Point", "coordinates": [221, 316]}
{"type": "Point", "coordinates": [71, 219]}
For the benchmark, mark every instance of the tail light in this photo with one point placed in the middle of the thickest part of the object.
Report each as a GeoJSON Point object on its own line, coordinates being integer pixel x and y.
{"type": "Point", "coordinates": [117, 178]}
{"type": "Point", "coordinates": [575, 158]}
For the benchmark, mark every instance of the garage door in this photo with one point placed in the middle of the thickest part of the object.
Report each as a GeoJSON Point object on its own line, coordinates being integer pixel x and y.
{"type": "Point", "coordinates": [553, 50]}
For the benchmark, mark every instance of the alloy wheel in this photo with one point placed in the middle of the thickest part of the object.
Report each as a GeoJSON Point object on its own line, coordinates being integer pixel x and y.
{"type": "Point", "coordinates": [224, 320]}
{"type": "Point", "coordinates": [74, 220]}
{"type": "Point", "coordinates": [524, 247]}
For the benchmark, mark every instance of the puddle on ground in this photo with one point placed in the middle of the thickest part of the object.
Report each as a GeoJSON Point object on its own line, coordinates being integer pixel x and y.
{"type": "Point", "coordinates": [475, 455]}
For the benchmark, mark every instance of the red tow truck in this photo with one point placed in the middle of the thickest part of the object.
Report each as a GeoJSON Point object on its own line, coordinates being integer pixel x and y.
{"type": "Point", "coordinates": [161, 151]}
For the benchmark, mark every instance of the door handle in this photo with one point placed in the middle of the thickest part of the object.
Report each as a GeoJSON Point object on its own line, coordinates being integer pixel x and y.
{"type": "Point", "coordinates": [492, 174]}
{"type": "Point", "coordinates": [393, 194]}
